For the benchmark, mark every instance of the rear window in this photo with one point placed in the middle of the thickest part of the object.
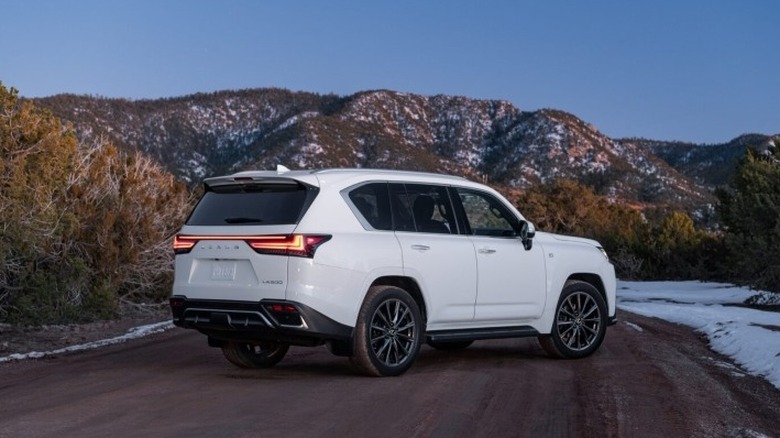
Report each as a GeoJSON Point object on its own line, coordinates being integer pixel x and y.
{"type": "Point", "coordinates": [253, 204]}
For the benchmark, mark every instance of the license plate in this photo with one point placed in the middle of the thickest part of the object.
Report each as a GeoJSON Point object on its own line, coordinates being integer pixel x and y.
{"type": "Point", "coordinates": [223, 271]}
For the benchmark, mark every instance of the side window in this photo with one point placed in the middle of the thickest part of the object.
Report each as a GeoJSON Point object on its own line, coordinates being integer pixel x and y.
{"type": "Point", "coordinates": [373, 203]}
{"type": "Point", "coordinates": [486, 215]}
{"type": "Point", "coordinates": [431, 209]}
{"type": "Point", "coordinates": [402, 210]}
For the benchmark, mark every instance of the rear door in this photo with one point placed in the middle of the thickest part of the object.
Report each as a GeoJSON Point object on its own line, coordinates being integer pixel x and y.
{"type": "Point", "coordinates": [233, 244]}
{"type": "Point", "coordinates": [441, 260]}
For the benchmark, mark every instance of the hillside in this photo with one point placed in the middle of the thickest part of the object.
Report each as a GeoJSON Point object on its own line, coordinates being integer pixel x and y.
{"type": "Point", "coordinates": [208, 134]}
{"type": "Point", "coordinates": [712, 165]}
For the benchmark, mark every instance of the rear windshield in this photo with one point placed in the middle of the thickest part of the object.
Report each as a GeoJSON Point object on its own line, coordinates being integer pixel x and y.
{"type": "Point", "coordinates": [253, 204]}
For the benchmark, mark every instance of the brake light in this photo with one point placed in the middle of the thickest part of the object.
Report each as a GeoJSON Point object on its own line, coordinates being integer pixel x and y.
{"type": "Point", "coordinates": [183, 244]}
{"type": "Point", "coordinates": [297, 245]}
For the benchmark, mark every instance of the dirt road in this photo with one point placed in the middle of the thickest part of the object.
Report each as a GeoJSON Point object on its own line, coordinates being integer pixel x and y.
{"type": "Point", "coordinates": [650, 378]}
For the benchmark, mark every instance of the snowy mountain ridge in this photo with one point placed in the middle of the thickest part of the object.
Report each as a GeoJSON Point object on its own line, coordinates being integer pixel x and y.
{"type": "Point", "coordinates": [490, 140]}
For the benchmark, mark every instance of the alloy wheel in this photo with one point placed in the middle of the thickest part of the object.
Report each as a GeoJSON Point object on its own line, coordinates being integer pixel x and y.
{"type": "Point", "coordinates": [393, 329]}
{"type": "Point", "coordinates": [579, 321]}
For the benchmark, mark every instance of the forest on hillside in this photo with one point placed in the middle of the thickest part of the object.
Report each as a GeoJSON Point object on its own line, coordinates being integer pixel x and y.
{"type": "Point", "coordinates": [86, 227]}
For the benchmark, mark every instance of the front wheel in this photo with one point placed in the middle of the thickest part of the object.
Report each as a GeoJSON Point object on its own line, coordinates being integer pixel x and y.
{"type": "Point", "coordinates": [261, 355]}
{"type": "Point", "coordinates": [580, 322]}
{"type": "Point", "coordinates": [388, 333]}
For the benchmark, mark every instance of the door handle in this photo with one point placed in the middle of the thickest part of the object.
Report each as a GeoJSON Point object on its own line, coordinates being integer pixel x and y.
{"type": "Point", "coordinates": [421, 247]}
{"type": "Point", "coordinates": [486, 251]}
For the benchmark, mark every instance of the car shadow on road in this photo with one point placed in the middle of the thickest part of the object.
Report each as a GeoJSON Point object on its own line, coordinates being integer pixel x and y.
{"type": "Point", "coordinates": [314, 363]}
{"type": "Point", "coordinates": [482, 354]}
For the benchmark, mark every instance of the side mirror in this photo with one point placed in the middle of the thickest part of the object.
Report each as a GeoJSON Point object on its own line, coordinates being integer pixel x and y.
{"type": "Point", "coordinates": [527, 233]}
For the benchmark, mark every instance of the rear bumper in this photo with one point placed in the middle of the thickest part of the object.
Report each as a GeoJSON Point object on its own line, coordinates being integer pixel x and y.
{"type": "Point", "coordinates": [267, 320]}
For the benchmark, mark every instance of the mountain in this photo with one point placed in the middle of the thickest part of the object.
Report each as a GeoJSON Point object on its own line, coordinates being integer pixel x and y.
{"type": "Point", "coordinates": [489, 140]}
{"type": "Point", "coordinates": [711, 165]}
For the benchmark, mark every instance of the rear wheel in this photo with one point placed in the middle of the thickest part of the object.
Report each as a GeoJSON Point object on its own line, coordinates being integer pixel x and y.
{"type": "Point", "coordinates": [450, 345]}
{"type": "Point", "coordinates": [261, 355]}
{"type": "Point", "coordinates": [580, 322]}
{"type": "Point", "coordinates": [388, 334]}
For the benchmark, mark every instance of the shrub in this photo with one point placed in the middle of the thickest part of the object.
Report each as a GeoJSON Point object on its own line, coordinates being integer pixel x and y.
{"type": "Point", "coordinates": [83, 226]}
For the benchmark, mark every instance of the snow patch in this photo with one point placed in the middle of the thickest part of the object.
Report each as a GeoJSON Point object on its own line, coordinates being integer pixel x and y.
{"type": "Point", "coordinates": [133, 333]}
{"type": "Point", "coordinates": [749, 336]}
{"type": "Point", "coordinates": [634, 326]}
{"type": "Point", "coordinates": [295, 119]}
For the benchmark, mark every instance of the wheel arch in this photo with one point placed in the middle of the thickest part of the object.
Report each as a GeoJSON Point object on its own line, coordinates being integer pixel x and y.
{"type": "Point", "coordinates": [409, 285]}
{"type": "Point", "coordinates": [592, 279]}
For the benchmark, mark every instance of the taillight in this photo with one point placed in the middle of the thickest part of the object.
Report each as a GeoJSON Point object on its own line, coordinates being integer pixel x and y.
{"type": "Point", "coordinates": [183, 244]}
{"type": "Point", "coordinates": [297, 245]}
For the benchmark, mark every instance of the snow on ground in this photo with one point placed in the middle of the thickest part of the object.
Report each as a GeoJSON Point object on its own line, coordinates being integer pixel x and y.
{"type": "Point", "coordinates": [750, 337]}
{"type": "Point", "coordinates": [133, 333]}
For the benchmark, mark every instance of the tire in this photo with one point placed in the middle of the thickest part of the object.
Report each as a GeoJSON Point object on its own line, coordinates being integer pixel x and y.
{"type": "Point", "coordinates": [388, 333]}
{"type": "Point", "coordinates": [262, 355]}
{"type": "Point", "coordinates": [450, 345]}
{"type": "Point", "coordinates": [580, 322]}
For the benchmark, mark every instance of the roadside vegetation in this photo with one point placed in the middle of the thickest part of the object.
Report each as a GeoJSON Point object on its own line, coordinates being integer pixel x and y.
{"type": "Point", "coordinates": [662, 244]}
{"type": "Point", "coordinates": [85, 228]}
{"type": "Point", "coordinates": [749, 209]}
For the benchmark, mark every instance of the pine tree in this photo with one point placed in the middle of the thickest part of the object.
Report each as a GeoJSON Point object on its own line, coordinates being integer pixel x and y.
{"type": "Point", "coordinates": [750, 211]}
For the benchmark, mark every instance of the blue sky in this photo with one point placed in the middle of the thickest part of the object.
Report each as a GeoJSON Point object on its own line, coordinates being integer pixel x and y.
{"type": "Point", "coordinates": [694, 70]}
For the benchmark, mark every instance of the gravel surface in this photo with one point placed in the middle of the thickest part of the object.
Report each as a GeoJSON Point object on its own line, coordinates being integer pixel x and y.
{"type": "Point", "coordinates": [650, 378]}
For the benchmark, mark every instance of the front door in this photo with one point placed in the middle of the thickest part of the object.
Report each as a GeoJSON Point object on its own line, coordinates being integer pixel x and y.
{"type": "Point", "coordinates": [511, 285]}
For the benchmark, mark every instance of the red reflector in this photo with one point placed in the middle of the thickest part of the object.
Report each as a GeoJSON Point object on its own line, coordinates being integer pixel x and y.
{"type": "Point", "coordinates": [283, 308]}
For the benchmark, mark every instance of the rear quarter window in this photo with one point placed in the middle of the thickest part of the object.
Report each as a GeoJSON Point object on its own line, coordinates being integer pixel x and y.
{"type": "Point", "coordinates": [253, 204]}
{"type": "Point", "coordinates": [373, 204]}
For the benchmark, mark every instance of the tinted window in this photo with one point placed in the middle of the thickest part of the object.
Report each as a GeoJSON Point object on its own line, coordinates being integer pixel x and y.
{"type": "Point", "coordinates": [252, 204]}
{"type": "Point", "coordinates": [422, 208]}
{"type": "Point", "coordinates": [486, 215]}
{"type": "Point", "coordinates": [402, 210]}
{"type": "Point", "coordinates": [373, 203]}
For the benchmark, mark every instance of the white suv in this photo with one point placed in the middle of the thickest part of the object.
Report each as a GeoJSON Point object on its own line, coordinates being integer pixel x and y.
{"type": "Point", "coordinates": [373, 263]}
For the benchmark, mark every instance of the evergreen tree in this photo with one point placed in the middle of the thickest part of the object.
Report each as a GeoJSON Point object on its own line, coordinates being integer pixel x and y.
{"type": "Point", "coordinates": [35, 157]}
{"type": "Point", "coordinates": [677, 249]}
{"type": "Point", "coordinates": [750, 211]}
